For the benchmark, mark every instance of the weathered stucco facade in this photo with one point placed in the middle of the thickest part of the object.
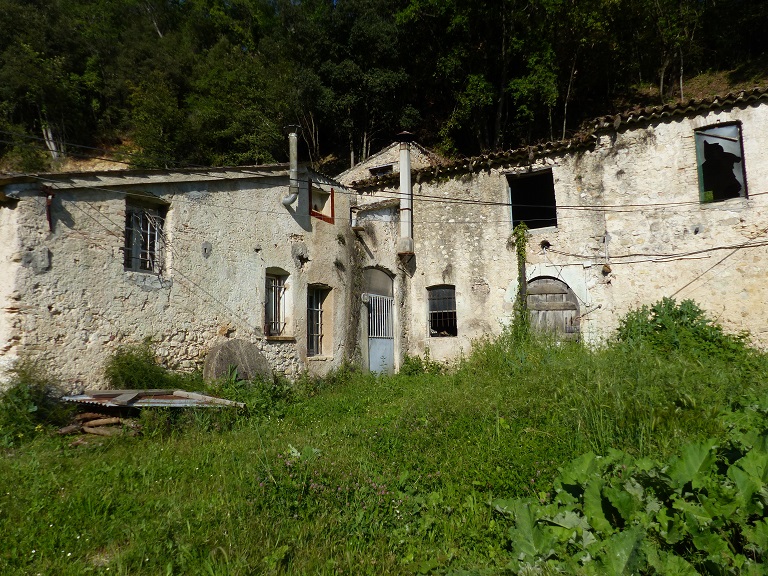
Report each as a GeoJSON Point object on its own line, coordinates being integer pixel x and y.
{"type": "Point", "coordinates": [69, 296]}
{"type": "Point", "coordinates": [668, 201]}
{"type": "Point", "coordinates": [624, 225]}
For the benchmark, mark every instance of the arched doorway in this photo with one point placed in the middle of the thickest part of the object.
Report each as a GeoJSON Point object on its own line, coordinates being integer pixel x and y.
{"type": "Point", "coordinates": [381, 333]}
{"type": "Point", "coordinates": [553, 307]}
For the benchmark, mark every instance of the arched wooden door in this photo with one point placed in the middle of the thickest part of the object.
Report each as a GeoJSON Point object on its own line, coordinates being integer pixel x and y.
{"type": "Point", "coordinates": [553, 307]}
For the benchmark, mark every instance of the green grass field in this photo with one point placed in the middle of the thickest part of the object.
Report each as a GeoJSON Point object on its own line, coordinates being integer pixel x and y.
{"type": "Point", "coordinates": [358, 474]}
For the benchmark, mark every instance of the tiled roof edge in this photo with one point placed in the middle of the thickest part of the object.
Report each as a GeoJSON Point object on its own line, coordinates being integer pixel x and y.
{"type": "Point", "coordinates": [584, 138]}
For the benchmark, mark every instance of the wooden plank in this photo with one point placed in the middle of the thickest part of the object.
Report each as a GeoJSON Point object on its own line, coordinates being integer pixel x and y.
{"type": "Point", "coordinates": [546, 287]}
{"type": "Point", "coordinates": [551, 306]}
{"type": "Point", "coordinates": [108, 393]}
{"type": "Point", "coordinates": [127, 398]}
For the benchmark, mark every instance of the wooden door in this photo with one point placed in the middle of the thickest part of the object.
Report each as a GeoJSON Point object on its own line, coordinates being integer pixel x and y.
{"type": "Point", "coordinates": [553, 307]}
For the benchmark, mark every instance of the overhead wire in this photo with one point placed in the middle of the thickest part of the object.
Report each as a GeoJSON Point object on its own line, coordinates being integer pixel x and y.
{"type": "Point", "coordinates": [671, 255]}
{"type": "Point", "coordinates": [396, 194]}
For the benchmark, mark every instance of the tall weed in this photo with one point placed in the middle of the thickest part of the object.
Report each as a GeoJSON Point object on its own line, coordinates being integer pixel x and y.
{"type": "Point", "coordinates": [30, 404]}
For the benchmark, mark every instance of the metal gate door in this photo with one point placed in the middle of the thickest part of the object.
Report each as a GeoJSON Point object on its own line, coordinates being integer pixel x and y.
{"type": "Point", "coordinates": [381, 337]}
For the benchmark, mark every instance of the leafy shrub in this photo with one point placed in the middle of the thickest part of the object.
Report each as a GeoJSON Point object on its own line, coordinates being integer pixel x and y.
{"type": "Point", "coordinates": [700, 512]}
{"type": "Point", "coordinates": [416, 365]}
{"type": "Point", "coordinates": [30, 404]}
{"type": "Point", "coordinates": [668, 326]}
{"type": "Point", "coordinates": [135, 367]}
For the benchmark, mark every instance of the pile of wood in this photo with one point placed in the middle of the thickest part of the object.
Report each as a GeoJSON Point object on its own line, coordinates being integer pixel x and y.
{"type": "Point", "coordinates": [101, 425]}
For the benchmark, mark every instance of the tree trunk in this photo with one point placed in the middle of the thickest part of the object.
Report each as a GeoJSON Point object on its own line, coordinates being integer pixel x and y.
{"type": "Point", "coordinates": [568, 92]}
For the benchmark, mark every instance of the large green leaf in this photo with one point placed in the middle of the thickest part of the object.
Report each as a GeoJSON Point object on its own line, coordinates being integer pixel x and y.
{"type": "Point", "coordinates": [694, 464]}
{"type": "Point", "coordinates": [529, 539]}
{"type": "Point", "coordinates": [593, 506]}
{"type": "Point", "coordinates": [668, 563]}
{"type": "Point", "coordinates": [621, 553]}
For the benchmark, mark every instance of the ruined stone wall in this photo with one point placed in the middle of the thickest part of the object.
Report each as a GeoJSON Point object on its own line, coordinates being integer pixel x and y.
{"type": "Point", "coordinates": [666, 242]}
{"type": "Point", "coordinates": [630, 230]}
{"type": "Point", "coordinates": [10, 261]}
{"type": "Point", "coordinates": [78, 303]}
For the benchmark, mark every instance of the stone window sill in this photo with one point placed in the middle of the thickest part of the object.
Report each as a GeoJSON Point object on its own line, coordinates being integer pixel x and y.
{"type": "Point", "coordinates": [280, 339]}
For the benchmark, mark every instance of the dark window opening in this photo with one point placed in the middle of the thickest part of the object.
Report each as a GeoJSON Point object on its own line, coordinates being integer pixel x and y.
{"type": "Point", "coordinates": [144, 239]}
{"type": "Point", "coordinates": [381, 170]}
{"type": "Point", "coordinates": [532, 197]}
{"type": "Point", "coordinates": [315, 300]}
{"type": "Point", "coordinates": [442, 311]}
{"type": "Point", "coordinates": [719, 156]}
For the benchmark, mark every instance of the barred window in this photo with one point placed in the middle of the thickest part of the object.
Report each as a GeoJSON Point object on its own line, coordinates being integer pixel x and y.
{"type": "Point", "coordinates": [315, 300]}
{"type": "Point", "coordinates": [275, 305]}
{"type": "Point", "coordinates": [143, 238]}
{"type": "Point", "coordinates": [442, 311]}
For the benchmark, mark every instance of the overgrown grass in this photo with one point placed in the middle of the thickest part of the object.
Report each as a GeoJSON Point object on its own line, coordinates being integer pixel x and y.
{"type": "Point", "coordinates": [359, 474]}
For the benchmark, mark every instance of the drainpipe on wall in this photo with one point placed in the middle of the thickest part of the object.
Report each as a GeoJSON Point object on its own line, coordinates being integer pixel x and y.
{"type": "Point", "coordinates": [405, 242]}
{"type": "Point", "coordinates": [293, 171]}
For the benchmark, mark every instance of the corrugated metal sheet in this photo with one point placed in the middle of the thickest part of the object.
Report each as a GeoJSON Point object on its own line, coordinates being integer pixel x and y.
{"type": "Point", "coordinates": [150, 398]}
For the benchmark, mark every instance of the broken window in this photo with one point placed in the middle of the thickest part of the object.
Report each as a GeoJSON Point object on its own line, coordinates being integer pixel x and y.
{"type": "Point", "coordinates": [144, 240]}
{"type": "Point", "coordinates": [275, 305]}
{"type": "Point", "coordinates": [719, 157]}
{"type": "Point", "coordinates": [532, 198]}
{"type": "Point", "coordinates": [316, 297]}
{"type": "Point", "coordinates": [442, 311]}
{"type": "Point", "coordinates": [381, 170]}
{"type": "Point", "coordinates": [321, 202]}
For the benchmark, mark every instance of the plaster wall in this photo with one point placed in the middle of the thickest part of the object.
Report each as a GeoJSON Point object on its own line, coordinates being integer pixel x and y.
{"type": "Point", "coordinates": [10, 260]}
{"type": "Point", "coordinates": [79, 303]}
{"type": "Point", "coordinates": [630, 230]}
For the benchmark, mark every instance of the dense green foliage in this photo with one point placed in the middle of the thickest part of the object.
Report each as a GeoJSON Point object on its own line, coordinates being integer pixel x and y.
{"type": "Point", "coordinates": [136, 367]}
{"type": "Point", "coordinates": [468, 469]}
{"type": "Point", "coordinates": [701, 512]}
{"type": "Point", "coordinates": [169, 82]}
{"type": "Point", "coordinates": [29, 405]}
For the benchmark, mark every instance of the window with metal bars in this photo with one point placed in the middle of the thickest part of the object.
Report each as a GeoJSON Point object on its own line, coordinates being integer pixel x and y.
{"type": "Point", "coordinates": [144, 241]}
{"type": "Point", "coordinates": [442, 311]}
{"type": "Point", "coordinates": [315, 299]}
{"type": "Point", "coordinates": [275, 305]}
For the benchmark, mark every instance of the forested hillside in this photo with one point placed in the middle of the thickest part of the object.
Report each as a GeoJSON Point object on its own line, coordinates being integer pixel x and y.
{"type": "Point", "coordinates": [179, 82]}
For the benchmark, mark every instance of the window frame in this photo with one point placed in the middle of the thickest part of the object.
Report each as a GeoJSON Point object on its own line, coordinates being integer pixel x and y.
{"type": "Point", "coordinates": [144, 238]}
{"type": "Point", "coordinates": [531, 223]}
{"type": "Point", "coordinates": [316, 299]}
{"type": "Point", "coordinates": [701, 159]}
{"type": "Point", "coordinates": [442, 317]}
{"type": "Point", "coordinates": [275, 305]}
{"type": "Point", "coordinates": [327, 212]}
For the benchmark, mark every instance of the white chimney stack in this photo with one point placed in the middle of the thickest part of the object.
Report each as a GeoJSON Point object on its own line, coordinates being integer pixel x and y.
{"type": "Point", "coordinates": [405, 242]}
{"type": "Point", "coordinates": [293, 166]}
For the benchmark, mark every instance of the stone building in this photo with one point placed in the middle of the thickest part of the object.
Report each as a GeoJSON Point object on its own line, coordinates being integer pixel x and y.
{"type": "Point", "coordinates": [665, 201]}
{"type": "Point", "coordinates": [383, 262]}
{"type": "Point", "coordinates": [187, 258]}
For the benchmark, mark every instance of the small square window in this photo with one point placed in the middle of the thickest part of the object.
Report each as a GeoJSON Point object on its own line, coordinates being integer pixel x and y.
{"type": "Point", "coordinates": [275, 306]}
{"type": "Point", "coordinates": [532, 197]}
{"type": "Point", "coordinates": [316, 297]}
{"type": "Point", "coordinates": [142, 251]}
{"type": "Point", "coordinates": [720, 160]}
{"type": "Point", "coordinates": [442, 311]}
